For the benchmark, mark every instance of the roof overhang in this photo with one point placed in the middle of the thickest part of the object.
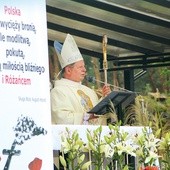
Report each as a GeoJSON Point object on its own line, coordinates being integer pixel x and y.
{"type": "Point", "coordinates": [138, 32]}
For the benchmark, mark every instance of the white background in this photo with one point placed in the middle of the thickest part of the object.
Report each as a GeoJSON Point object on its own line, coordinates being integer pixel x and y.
{"type": "Point", "coordinates": [10, 106]}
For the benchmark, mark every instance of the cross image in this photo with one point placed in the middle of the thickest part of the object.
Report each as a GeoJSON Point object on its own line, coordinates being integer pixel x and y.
{"type": "Point", "coordinates": [10, 153]}
{"type": "Point", "coordinates": [24, 130]}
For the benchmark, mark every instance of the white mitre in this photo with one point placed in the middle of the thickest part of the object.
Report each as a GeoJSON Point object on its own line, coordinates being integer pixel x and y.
{"type": "Point", "coordinates": [68, 53]}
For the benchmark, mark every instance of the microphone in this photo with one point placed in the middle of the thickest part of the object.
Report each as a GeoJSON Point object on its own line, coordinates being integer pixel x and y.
{"type": "Point", "coordinates": [90, 79]}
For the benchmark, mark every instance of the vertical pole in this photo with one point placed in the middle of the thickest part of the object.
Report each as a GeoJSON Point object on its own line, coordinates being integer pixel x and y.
{"type": "Point", "coordinates": [129, 85]}
{"type": "Point", "coordinates": [129, 79]}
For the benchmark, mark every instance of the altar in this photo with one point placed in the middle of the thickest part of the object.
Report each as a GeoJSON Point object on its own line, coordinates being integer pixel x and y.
{"type": "Point", "coordinates": [58, 130]}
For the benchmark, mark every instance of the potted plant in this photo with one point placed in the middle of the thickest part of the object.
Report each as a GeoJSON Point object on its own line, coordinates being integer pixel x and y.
{"type": "Point", "coordinates": [118, 147]}
{"type": "Point", "coordinates": [96, 147]}
{"type": "Point", "coordinates": [148, 111]}
{"type": "Point", "coordinates": [147, 149]}
{"type": "Point", "coordinates": [73, 146]}
{"type": "Point", "coordinates": [164, 151]}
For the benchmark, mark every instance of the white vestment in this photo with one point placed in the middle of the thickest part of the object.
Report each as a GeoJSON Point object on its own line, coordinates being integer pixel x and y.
{"type": "Point", "coordinates": [70, 101]}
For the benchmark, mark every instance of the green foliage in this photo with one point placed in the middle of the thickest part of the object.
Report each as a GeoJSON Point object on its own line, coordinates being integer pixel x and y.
{"type": "Point", "coordinates": [154, 78]}
{"type": "Point", "coordinates": [108, 150]}
{"type": "Point", "coordinates": [147, 151]}
{"type": "Point", "coordinates": [73, 146]}
{"type": "Point", "coordinates": [164, 149]}
{"type": "Point", "coordinates": [96, 144]}
{"type": "Point", "coordinates": [166, 73]}
{"type": "Point", "coordinates": [147, 110]}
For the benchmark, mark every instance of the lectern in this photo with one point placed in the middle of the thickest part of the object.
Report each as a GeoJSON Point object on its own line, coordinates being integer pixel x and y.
{"type": "Point", "coordinates": [120, 100]}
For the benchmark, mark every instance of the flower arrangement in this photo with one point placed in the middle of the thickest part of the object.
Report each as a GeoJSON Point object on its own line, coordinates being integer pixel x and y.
{"type": "Point", "coordinates": [73, 146]}
{"type": "Point", "coordinates": [119, 146]}
{"type": "Point", "coordinates": [109, 151]}
{"type": "Point", "coordinates": [146, 148]}
{"type": "Point", "coordinates": [96, 146]}
{"type": "Point", "coordinates": [164, 149]}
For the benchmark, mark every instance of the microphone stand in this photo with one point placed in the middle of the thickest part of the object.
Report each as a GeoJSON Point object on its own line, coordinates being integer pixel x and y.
{"type": "Point", "coordinates": [92, 79]}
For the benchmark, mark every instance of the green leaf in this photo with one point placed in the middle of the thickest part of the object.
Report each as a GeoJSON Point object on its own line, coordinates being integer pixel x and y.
{"type": "Point", "coordinates": [100, 129]}
{"type": "Point", "coordinates": [81, 158]}
{"type": "Point", "coordinates": [106, 139]}
{"type": "Point", "coordinates": [126, 167]}
{"type": "Point", "coordinates": [62, 160]}
{"type": "Point", "coordinates": [91, 146]}
{"type": "Point", "coordinates": [157, 133]}
{"type": "Point", "coordinates": [86, 165]}
{"type": "Point", "coordinates": [107, 168]}
{"type": "Point", "coordinates": [89, 137]}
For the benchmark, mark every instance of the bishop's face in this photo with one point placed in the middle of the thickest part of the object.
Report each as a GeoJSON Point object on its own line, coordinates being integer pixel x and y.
{"type": "Point", "coordinates": [76, 72]}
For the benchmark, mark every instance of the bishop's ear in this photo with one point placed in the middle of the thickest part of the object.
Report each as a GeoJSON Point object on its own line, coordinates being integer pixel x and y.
{"type": "Point", "coordinates": [68, 70]}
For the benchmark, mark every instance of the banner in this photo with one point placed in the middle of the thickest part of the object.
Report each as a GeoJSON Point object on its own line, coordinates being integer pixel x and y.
{"type": "Point", "coordinates": [25, 119]}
